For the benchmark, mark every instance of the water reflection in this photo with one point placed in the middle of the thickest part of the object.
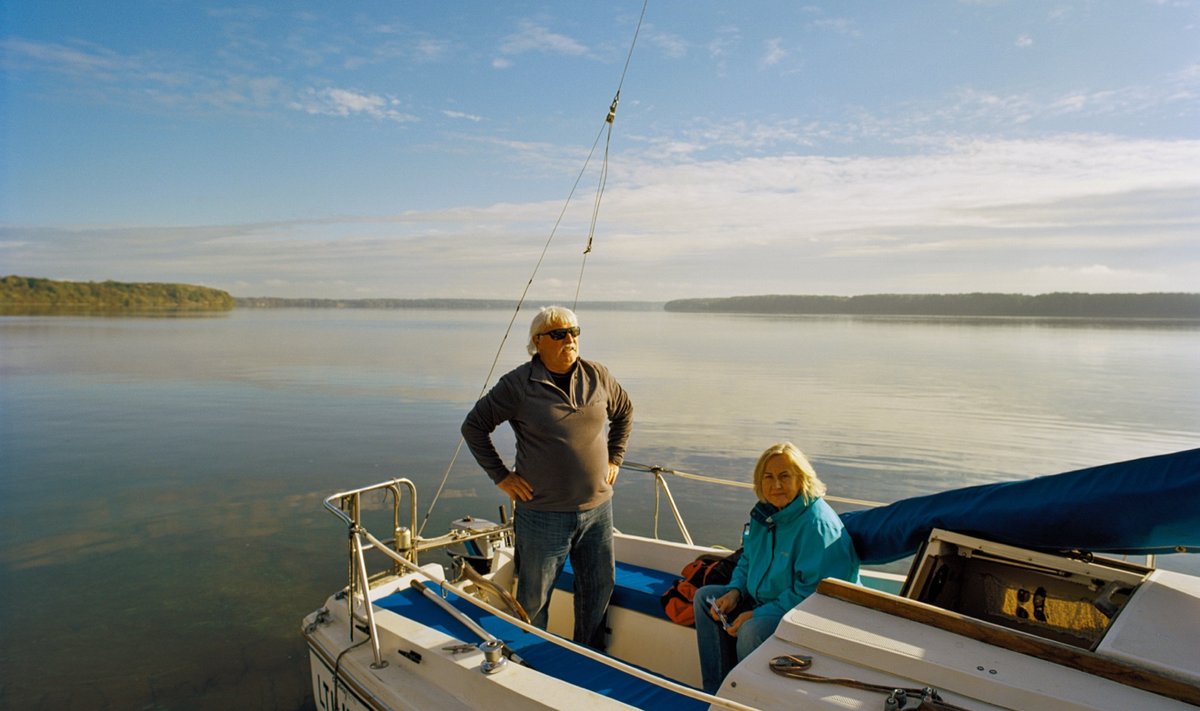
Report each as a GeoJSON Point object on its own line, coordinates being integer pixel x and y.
{"type": "Point", "coordinates": [163, 478]}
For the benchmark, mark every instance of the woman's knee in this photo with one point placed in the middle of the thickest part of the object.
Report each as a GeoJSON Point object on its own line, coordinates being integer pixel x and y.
{"type": "Point", "coordinates": [754, 632]}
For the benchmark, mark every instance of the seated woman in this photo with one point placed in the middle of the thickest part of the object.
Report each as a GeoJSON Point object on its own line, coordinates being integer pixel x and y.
{"type": "Point", "coordinates": [793, 540]}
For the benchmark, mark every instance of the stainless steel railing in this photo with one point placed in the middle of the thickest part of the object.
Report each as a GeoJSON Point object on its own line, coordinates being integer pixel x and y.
{"type": "Point", "coordinates": [405, 545]}
{"type": "Point", "coordinates": [661, 489]}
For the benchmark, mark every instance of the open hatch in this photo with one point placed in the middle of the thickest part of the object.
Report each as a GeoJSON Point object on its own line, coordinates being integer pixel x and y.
{"type": "Point", "coordinates": [1070, 600]}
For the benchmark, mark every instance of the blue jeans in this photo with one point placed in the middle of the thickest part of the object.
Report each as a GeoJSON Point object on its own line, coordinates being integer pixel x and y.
{"type": "Point", "coordinates": [719, 651]}
{"type": "Point", "coordinates": [544, 541]}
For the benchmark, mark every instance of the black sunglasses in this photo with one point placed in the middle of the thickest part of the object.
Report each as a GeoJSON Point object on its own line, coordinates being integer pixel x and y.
{"type": "Point", "coordinates": [560, 333]}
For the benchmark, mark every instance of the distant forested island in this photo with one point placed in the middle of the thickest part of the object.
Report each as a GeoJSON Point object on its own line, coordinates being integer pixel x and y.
{"type": "Point", "coordinates": [18, 293]}
{"type": "Point", "coordinates": [272, 302]}
{"type": "Point", "coordinates": [29, 295]}
{"type": "Point", "coordinates": [1059, 305]}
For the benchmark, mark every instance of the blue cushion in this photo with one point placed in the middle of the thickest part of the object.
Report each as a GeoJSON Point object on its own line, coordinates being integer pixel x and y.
{"type": "Point", "coordinates": [637, 588]}
{"type": "Point", "coordinates": [543, 656]}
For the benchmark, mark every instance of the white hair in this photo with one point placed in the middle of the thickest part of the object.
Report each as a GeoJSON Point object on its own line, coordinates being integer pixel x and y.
{"type": "Point", "coordinates": [547, 315]}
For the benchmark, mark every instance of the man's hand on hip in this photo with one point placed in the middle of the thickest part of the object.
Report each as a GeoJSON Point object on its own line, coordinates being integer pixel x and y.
{"type": "Point", "coordinates": [516, 486]}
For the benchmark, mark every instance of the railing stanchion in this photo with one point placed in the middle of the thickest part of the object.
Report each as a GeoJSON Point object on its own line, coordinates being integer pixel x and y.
{"type": "Point", "coordinates": [366, 602]}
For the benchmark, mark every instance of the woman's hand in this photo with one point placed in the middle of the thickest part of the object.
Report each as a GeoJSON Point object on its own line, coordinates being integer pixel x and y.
{"type": "Point", "coordinates": [737, 624]}
{"type": "Point", "coordinates": [727, 602]}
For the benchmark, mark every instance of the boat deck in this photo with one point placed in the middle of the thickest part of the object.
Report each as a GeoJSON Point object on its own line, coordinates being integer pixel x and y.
{"type": "Point", "coordinates": [542, 656]}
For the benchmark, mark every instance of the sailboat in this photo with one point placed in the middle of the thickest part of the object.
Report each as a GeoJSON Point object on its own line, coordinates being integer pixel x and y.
{"type": "Point", "coordinates": [1010, 605]}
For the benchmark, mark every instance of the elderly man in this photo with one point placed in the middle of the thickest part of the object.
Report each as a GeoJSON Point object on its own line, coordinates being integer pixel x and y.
{"type": "Point", "coordinates": [558, 405]}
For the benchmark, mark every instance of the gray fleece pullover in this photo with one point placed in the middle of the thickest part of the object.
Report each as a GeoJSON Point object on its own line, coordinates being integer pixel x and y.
{"type": "Point", "coordinates": [562, 449]}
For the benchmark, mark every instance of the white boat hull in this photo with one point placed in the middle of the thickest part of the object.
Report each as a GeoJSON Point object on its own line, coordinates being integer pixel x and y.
{"type": "Point", "coordinates": [986, 625]}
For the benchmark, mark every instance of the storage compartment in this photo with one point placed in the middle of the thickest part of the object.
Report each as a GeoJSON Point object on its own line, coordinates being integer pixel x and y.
{"type": "Point", "coordinates": [1068, 600]}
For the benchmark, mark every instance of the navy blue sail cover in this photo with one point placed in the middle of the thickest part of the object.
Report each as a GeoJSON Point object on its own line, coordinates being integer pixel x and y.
{"type": "Point", "coordinates": [1139, 507]}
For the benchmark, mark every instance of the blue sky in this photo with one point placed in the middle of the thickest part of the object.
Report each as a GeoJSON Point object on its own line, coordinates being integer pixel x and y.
{"type": "Point", "coordinates": [426, 149]}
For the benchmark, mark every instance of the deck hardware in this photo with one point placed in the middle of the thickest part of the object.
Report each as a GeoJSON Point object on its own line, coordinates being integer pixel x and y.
{"type": "Point", "coordinates": [411, 654]}
{"type": "Point", "coordinates": [796, 667]}
{"type": "Point", "coordinates": [493, 656]}
{"type": "Point", "coordinates": [460, 648]}
{"type": "Point", "coordinates": [791, 663]}
{"type": "Point", "coordinates": [899, 700]}
{"type": "Point", "coordinates": [322, 617]}
{"type": "Point", "coordinates": [470, 624]}
{"type": "Point", "coordinates": [1104, 600]}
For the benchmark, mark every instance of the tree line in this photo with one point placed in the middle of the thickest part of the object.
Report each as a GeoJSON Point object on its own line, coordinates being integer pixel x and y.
{"type": "Point", "coordinates": [1063, 305]}
{"type": "Point", "coordinates": [275, 302]}
{"type": "Point", "coordinates": [32, 292]}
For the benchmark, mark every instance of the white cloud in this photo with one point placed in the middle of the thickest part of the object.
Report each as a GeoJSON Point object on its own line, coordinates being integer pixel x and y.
{"type": "Point", "coordinates": [672, 45]}
{"type": "Point", "coordinates": [461, 115]}
{"type": "Point", "coordinates": [533, 37]}
{"type": "Point", "coordinates": [430, 49]}
{"type": "Point", "coordinates": [773, 53]}
{"type": "Point", "coordinates": [72, 59]}
{"type": "Point", "coordinates": [345, 102]}
{"type": "Point", "coordinates": [837, 25]}
{"type": "Point", "coordinates": [1060, 13]}
{"type": "Point", "coordinates": [146, 80]}
{"type": "Point", "coordinates": [1024, 41]}
{"type": "Point", "coordinates": [723, 45]}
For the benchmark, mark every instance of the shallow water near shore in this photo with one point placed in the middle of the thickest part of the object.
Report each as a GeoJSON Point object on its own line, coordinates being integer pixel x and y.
{"type": "Point", "coordinates": [162, 478]}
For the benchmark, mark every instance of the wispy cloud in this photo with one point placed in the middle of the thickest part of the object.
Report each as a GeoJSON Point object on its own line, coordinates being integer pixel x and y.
{"type": "Point", "coordinates": [669, 43]}
{"type": "Point", "coordinates": [345, 102]}
{"type": "Point", "coordinates": [74, 58]}
{"type": "Point", "coordinates": [237, 81]}
{"type": "Point", "coordinates": [836, 25]}
{"type": "Point", "coordinates": [722, 46]}
{"type": "Point", "coordinates": [460, 115]}
{"type": "Point", "coordinates": [1037, 215]}
{"type": "Point", "coordinates": [773, 52]}
{"type": "Point", "coordinates": [535, 37]}
{"type": "Point", "coordinates": [428, 49]}
{"type": "Point", "coordinates": [101, 75]}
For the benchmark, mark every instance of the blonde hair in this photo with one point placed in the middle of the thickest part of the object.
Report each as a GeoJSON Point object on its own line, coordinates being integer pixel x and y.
{"type": "Point", "coordinates": [811, 486]}
{"type": "Point", "coordinates": [548, 314]}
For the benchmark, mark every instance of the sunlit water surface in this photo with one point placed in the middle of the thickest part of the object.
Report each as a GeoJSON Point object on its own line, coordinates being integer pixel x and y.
{"type": "Point", "coordinates": [162, 478]}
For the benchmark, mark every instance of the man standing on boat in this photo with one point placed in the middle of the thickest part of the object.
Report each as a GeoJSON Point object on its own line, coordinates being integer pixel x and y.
{"type": "Point", "coordinates": [558, 406]}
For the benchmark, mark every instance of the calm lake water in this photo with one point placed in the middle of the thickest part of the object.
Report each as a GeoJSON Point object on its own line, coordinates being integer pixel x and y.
{"type": "Point", "coordinates": [161, 479]}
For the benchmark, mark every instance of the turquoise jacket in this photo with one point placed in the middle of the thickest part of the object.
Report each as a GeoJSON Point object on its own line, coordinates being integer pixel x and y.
{"type": "Point", "coordinates": [786, 552]}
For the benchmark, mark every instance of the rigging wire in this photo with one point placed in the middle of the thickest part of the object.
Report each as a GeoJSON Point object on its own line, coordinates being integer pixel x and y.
{"type": "Point", "coordinates": [612, 114]}
{"type": "Point", "coordinates": [606, 127]}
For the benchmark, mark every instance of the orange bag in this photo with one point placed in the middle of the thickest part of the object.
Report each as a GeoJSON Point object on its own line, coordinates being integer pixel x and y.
{"type": "Point", "coordinates": [708, 569]}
